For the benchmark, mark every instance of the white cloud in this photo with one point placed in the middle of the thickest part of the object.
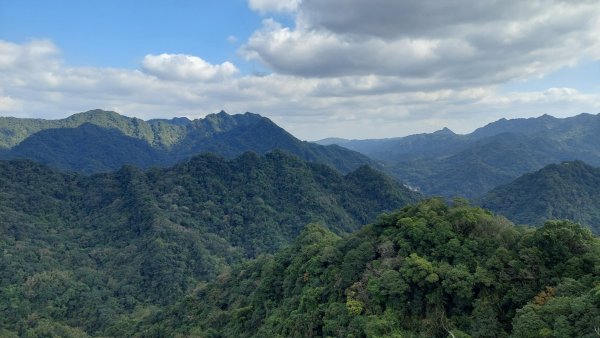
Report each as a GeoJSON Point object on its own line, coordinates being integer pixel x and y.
{"type": "Point", "coordinates": [35, 54]}
{"type": "Point", "coordinates": [181, 67]}
{"type": "Point", "coordinates": [266, 6]}
{"type": "Point", "coordinates": [444, 44]}
{"type": "Point", "coordinates": [7, 103]}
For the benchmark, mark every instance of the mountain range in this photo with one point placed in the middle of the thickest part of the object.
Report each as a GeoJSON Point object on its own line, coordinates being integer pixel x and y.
{"type": "Point", "coordinates": [447, 164]}
{"type": "Point", "coordinates": [441, 163]}
{"type": "Point", "coordinates": [103, 141]}
{"type": "Point", "coordinates": [229, 226]}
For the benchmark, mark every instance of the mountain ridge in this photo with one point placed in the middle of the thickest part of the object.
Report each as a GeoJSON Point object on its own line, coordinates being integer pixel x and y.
{"type": "Point", "coordinates": [438, 163]}
{"type": "Point", "coordinates": [170, 141]}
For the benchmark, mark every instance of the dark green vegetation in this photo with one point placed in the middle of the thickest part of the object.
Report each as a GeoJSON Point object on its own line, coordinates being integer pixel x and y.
{"type": "Point", "coordinates": [570, 190]}
{"type": "Point", "coordinates": [94, 254]}
{"type": "Point", "coordinates": [447, 164]}
{"type": "Point", "coordinates": [217, 247]}
{"type": "Point", "coordinates": [102, 141]}
{"type": "Point", "coordinates": [424, 271]}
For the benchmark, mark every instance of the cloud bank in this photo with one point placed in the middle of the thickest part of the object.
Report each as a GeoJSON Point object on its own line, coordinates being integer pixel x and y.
{"type": "Point", "coordinates": [442, 43]}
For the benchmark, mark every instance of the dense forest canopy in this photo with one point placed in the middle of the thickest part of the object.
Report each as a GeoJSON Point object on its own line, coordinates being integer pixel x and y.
{"type": "Point", "coordinates": [427, 270]}
{"type": "Point", "coordinates": [569, 190]}
{"type": "Point", "coordinates": [95, 253]}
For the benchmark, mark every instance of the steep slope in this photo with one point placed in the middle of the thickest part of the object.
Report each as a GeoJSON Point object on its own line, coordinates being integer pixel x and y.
{"type": "Point", "coordinates": [87, 149]}
{"type": "Point", "coordinates": [231, 135]}
{"type": "Point", "coordinates": [167, 141]}
{"type": "Point", "coordinates": [96, 253]}
{"type": "Point", "coordinates": [570, 190]}
{"type": "Point", "coordinates": [425, 271]}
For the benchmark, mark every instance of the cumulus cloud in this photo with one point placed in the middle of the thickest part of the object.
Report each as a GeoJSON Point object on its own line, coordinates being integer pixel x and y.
{"type": "Point", "coordinates": [444, 43]}
{"type": "Point", "coordinates": [183, 67]}
{"type": "Point", "coordinates": [35, 54]}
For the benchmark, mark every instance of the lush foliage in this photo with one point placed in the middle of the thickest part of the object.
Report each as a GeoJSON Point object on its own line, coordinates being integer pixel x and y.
{"type": "Point", "coordinates": [570, 190]}
{"type": "Point", "coordinates": [425, 271]}
{"type": "Point", "coordinates": [101, 141]}
{"type": "Point", "coordinates": [95, 254]}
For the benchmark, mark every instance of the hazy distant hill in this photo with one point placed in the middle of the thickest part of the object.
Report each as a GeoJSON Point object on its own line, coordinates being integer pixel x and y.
{"type": "Point", "coordinates": [439, 143]}
{"type": "Point", "coordinates": [447, 164]}
{"type": "Point", "coordinates": [97, 141]}
{"type": "Point", "coordinates": [93, 252]}
{"type": "Point", "coordinates": [570, 190]}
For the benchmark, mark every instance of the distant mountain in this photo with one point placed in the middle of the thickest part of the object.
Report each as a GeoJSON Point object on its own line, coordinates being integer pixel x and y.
{"type": "Point", "coordinates": [570, 190]}
{"type": "Point", "coordinates": [524, 125]}
{"type": "Point", "coordinates": [447, 164]}
{"type": "Point", "coordinates": [438, 143]}
{"type": "Point", "coordinates": [96, 252]}
{"type": "Point", "coordinates": [100, 141]}
{"type": "Point", "coordinates": [87, 148]}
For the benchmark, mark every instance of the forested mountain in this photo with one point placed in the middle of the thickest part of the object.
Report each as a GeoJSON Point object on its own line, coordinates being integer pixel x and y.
{"type": "Point", "coordinates": [87, 148]}
{"type": "Point", "coordinates": [427, 270]}
{"type": "Point", "coordinates": [447, 164]}
{"type": "Point", "coordinates": [90, 255]}
{"type": "Point", "coordinates": [101, 141]}
{"type": "Point", "coordinates": [570, 190]}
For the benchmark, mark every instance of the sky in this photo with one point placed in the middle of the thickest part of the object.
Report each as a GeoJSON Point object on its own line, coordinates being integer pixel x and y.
{"type": "Point", "coordinates": [318, 68]}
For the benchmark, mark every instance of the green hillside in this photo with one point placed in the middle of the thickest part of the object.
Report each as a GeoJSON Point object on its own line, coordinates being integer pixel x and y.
{"type": "Point", "coordinates": [570, 190]}
{"type": "Point", "coordinates": [93, 254]}
{"type": "Point", "coordinates": [425, 271]}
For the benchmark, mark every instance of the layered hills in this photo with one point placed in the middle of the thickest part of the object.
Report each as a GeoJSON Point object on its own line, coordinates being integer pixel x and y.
{"type": "Point", "coordinates": [90, 255]}
{"type": "Point", "coordinates": [294, 239]}
{"type": "Point", "coordinates": [102, 141]}
{"type": "Point", "coordinates": [569, 190]}
{"type": "Point", "coordinates": [447, 164]}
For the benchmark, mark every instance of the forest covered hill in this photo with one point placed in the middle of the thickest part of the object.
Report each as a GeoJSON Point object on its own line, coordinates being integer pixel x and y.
{"type": "Point", "coordinates": [272, 245]}
{"type": "Point", "coordinates": [88, 255]}
{"type": "Point", "coordinates": [103, 141]}
{"type": "Point", "coordinates": [427, 270]}
{"type": "Point", "coordinates": [569, 190]}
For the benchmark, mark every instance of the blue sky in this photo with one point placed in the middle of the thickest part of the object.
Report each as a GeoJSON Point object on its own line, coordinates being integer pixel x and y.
{"type": "Point", "coordinates": [323, 68]}
{"type": "Point", "coordinates": [119, 33]}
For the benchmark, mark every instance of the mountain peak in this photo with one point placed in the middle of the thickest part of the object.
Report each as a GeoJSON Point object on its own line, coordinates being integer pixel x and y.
{"type": "Point", "coordinates": [96, 113]}
{"type": "Point", "coordinates": [444, 131]}
{"type": "Point", "coordinates": [547, 117]}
